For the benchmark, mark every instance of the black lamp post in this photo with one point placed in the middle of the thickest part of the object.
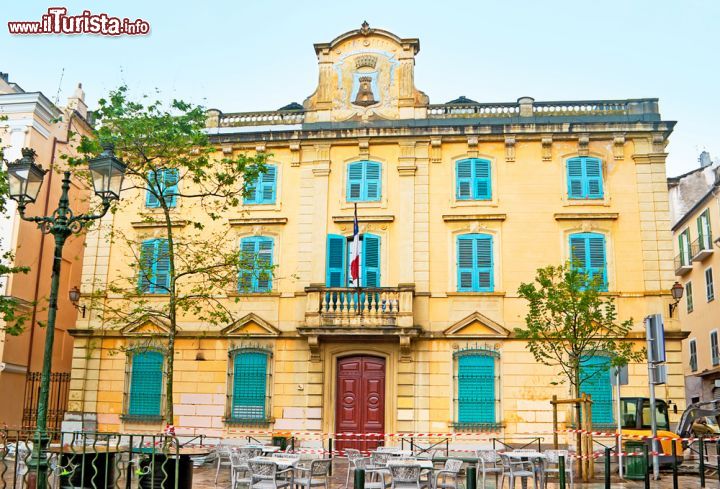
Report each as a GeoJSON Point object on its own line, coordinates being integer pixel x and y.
{"type": "Point", "coordinates": [25, 178]}
{"type": "Point", "coordinates": [677, 292]}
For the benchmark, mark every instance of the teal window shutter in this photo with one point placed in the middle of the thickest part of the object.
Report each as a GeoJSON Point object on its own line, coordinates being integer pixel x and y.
{"type": "Point", "coordinates": [588, 254]}
{"type": "Point", "coordinates": [475, 263]}
{"type": "Point", "coordinates": [146, 377]}
{"type": "Point", "coordinates": [264, 189]}
{"type": "Point", "coordinates": [595, 381]}
{"type": "Point", "coordinates": [472, 180]}
{"type": "Point", "coordinates": [364, 181]}
{"type": "Point", "coordinates": [154, 276]}
{"type": "Point", "coordinates": [476, 389]}
{"type": "Point", "coordinates": [151, 199]}
{"type": "Point", "coordinates": [335, 266]}
{"type": "Point", "coordinates": [584, 178]}
{"type": "Point", "coordinates": [370, 260]}
{"type": "Point", "coordinates": [249, 386]}
{"type": "Point", "coordinates": [166, 185]}
{"type": "Point", "coordinates": [256, 261]}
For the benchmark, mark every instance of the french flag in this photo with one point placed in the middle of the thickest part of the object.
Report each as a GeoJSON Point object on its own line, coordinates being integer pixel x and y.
{"type": "Point", "coordinates": [355, 254]}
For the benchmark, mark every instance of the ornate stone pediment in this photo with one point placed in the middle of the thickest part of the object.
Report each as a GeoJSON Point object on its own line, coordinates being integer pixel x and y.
{"type": "Point", "coordinates": [146, 326]}
{"type": "Point", "coordinates": [365, 74]}
{"type": "Point", "coordinates": [477, 325]}
{"type": "Point", "coordinates": [251, 325]}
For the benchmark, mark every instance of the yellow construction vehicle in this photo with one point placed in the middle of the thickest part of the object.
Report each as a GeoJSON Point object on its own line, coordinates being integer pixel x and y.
{"type": "Point", "coordinates": [635, 422]}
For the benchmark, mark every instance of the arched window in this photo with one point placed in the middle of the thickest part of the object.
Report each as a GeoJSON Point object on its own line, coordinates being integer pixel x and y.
{"type": "Point", "coordinates": [472, 179]}
{"type": "Point", "coordinates": [154, 273]}
{"type": "Point", "coordinates": [248, 386]}
{"type": "Point", "coordinates": [145, 386]}
{"type": "Point", "coordinates": [264, 189]}
{"type": "Point", "coordinates": [588, 254]}
{"type": "Point", "coordinates": [364, 181]}
{"type": "Point", "coordinates": [475, 263]}
{"type": "Point", "coordinates": [584, 178]}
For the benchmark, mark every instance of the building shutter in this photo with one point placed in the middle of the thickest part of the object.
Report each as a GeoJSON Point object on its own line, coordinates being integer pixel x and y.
{"type": "Point", "coordinates": [170, 186]}
{"type": "Point", "coordinates": [575, 178]}
{"type": "Point", "coordinates": [355, 181]}
{"type": "Point", "coordinates": [587, 254]}
{"type": "Point", "coordinates": [162, 267]}
{"type": "Point", "coordinates": [264, 265]}
{"type": "Point", "coordinates": [372, 180]}
{"type": "Point", "coordinates": [463, 179]}
{"type": "Point", "coordinates": [249, 385]}
{"type": "Point", "coordinates": [146, 278]}
{"type": "Point", "coordinates": [465, 263]}
{"type": "Point", "coordinates": [595, 381]}
{"type": "Point", "coordinates": [151, 199]}
{"type": "Point", "coordinates": [371, 261]}
{"type": "Point", "coordinates": [146, 384]}
{"type": "Point", "coordinates": [248, 254]}
{"type": "Point", "coordinates": [476, 389]}
{"type": "Point", "coordinates": [268, 185]}
{"type": "Point", "coordinates": [593, 178]}
{"type": "Point", "coordinates": [484, 261]}
{"type": "Point", "coordinates": [335, 269]}
{"type": "Point", "coordinates": [483, 188]}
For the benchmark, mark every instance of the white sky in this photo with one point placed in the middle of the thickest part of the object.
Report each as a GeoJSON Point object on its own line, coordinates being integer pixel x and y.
{"type": "Point", "coordinates": [257, 55]}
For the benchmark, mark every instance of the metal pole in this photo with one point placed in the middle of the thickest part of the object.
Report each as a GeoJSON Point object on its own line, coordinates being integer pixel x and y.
{"type": "Point", "coordinates": [561, 471]}
{"type": "Point", "coordinates": [646, 457]}
{"type": "Point", "coordinates": [359, 478]}
{"type": "Point", "coordinates": [653, 417]}
{"type": "Point", "coordinates": [555, 422]}
{"type": "Point", "coordinates": [673, 451]}
{"type": "Point", "coordinates": [607, 468]}
{"type": "Point", "coordinates": [330, 449]}
{"type": "Point", "coordinates": [471, 478]}
{"type": "Point", "coordinates": [701, 450]}
{"type": "Point", "coordinates": [619, 423]}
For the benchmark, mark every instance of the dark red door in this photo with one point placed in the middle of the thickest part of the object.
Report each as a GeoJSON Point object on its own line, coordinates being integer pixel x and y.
{"type": "Point", "coordinates": [360, 403]}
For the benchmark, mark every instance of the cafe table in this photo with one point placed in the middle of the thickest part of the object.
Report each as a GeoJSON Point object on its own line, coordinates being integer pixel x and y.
{"type": "Point", "coordinates": [265, 448]}
{"type": "Point", "coordinates": [282, 462]}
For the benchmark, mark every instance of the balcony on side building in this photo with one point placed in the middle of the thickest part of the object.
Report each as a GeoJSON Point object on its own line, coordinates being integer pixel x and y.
{"type": "Point", "coordinates": [683, 264]}
{"type": "Point", "coordinates": [701, 248]}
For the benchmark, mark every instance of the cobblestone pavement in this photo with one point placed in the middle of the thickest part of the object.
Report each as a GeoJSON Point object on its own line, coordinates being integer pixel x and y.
{"type": "Point", "coordinates": [204, 478]}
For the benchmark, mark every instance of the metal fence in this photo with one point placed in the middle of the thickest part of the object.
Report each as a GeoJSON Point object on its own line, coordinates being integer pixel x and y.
{"type": "Point", "coordinates": [57, 402]}
{"type": "Point", "coordinates": [98, 460]}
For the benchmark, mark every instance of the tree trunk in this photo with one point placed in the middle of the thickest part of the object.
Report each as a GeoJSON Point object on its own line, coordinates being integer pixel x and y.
{"type": "Point", "coordinates": [578, 421]}
{"type": "Point", "coordinates": [172, 314]}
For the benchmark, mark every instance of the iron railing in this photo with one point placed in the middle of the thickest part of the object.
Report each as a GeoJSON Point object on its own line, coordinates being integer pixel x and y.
{"type": "Point", "coordinates": [57, 402]}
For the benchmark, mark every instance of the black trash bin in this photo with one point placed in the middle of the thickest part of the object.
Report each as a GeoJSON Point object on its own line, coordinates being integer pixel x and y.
{"type": "Point", "coordinates": [280, 441]}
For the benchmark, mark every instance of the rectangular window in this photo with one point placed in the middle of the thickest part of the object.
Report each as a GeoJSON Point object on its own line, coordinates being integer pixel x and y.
{"type": "Point", "coordinates": [587, 254]}
{"type": "Point", "coordinates": [364, 181]}
{"type": "Point", "coordinates": [154, 274]}
{"type": "Point", "coordinates": [264, 189]}
{"type": "Point", "coordinates": [714, 352]}
{"type": "Point", "coordinates": [337, 271]}
{"type": "Point", "coordinates": [704, 232]}
{"type": "Point", "coordinates": [475, 263]}
{"type": "Point", "coordinates": [163, 183]}
{"type": "Point", "coordinates": [146, 381]}
{"type": "Point", "coordinates": [476, 387]}
{"type": "Point", "coordinates": [693, 355]}
{"type": "Point", "coordinates": [584, 178]}
{"type": "Point", "coordinates": [688, 297]}
{"type": "Point", "coordinates": [709, 286]}
{"type": "Point", "coordinates": [249, 386]}
{"type": "Point", "coordinates": [684, 247]}
{"type": "Point", "coordinates": [595, 381]}
{"type": "Point", "coordinates": [256, 264]}
{"type": "Point", "coordinates": [472, 180]}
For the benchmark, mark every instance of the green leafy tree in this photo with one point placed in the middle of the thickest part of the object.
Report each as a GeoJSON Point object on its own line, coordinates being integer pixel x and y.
{"type": "Point", "coordinates": [569, 321]}
{"type": "Point", "coordinates": [170, 162]}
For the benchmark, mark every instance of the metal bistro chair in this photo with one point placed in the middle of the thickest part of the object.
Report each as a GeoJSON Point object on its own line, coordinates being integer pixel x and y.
{"type": "Point", "coordinates": [407, 476]}
{"type": "Point", "coordinates": [239, 468]}
{"type": "Point", "coordinates": [317, 475]}
{"type": "Point", "coordinates": [265, 475]}
{"type": "Point", "coordinates": [379, 460]}
{"type": "Point", "coordinates": [451, 470]}
{"type": "Point", "coordinates": [222, 455]}
{"type": "Point", "coordinates": [488, 464]}
{"type": "Point", "coordinates": [370, 483]}
{"type": "Point", "coordinates": [514, 468]}
{"type": "Point", "coordinates": [352, 455]}
{"type": "Point", "coordinates": [553, 458]}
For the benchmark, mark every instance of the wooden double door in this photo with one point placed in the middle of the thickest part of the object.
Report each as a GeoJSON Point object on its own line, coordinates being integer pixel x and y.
{"type": "Point", "coordinates": [360, 402]}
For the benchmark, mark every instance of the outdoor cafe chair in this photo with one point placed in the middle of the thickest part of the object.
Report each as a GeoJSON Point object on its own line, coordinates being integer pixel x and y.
{"type": "Point", "coordinates": [451, 470]}
{"type": "Point", "coordinates": [553, 463]}
{"type": "Point", "coordinates": [488, 464]}
{"type": "Point", "coordinates": [222, 455]}
{"type": "Point", "coordinates": [372, 474]}
{"type": "Point", "coordinates": [406, 476]}
{"type": "Point", "coordinates": [352, 455]}
{"type": "Point", "coordinates": [317, 475]}
{"type": "Point", "coordinates": [514, 469]}
{"type": "Point", "coordinates": [239, 468]}
{"type": "Point", "coordinates": [265, 475]}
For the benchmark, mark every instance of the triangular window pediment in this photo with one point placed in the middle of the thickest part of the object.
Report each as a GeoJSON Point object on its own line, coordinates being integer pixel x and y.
{"type": "Point", "coordinates": [477, 325]}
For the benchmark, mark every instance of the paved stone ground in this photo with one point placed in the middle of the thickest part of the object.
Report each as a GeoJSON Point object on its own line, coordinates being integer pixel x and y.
{"type": "Point", "coordinates": [204, 478]}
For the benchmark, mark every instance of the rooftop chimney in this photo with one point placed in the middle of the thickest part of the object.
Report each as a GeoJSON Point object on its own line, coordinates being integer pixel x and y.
{"type": "Point", "coordinates": [704, 159]}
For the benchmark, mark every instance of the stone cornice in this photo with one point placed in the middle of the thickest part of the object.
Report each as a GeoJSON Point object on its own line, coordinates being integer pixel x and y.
{"type": "Point", "coordinates": [339, 219]}
{"type": "Point", "coordinates": [180, 223]}
{"type": "Point", "coordinates": [32, 102]}
{"type": "Point", "coordinates": [583, 216]}
{"type": "Point", "coordinates": [253, 221]}
{"type": "Point", "coordinates": [473, 217]}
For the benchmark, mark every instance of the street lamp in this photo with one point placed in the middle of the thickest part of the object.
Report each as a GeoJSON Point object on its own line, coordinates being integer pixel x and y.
{"type": "Point", "coordinates": [25, 178]}
{"type": "Point", "coordinates": [74, 296]}
{"type": "Point", "coordinates": [677, 292]}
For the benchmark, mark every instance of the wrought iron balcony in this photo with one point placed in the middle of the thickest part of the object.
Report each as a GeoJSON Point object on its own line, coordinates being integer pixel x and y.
{"type": "Point", "coordinates": [368, 307]}
{"type": "Point", "coordinates": [683, 265]}
{"type": "Point", "coordinates": [701, 248]}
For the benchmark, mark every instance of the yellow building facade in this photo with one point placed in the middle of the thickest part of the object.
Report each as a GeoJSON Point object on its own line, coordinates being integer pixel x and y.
{"type": "Point", "coordinates": [457, 204]}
